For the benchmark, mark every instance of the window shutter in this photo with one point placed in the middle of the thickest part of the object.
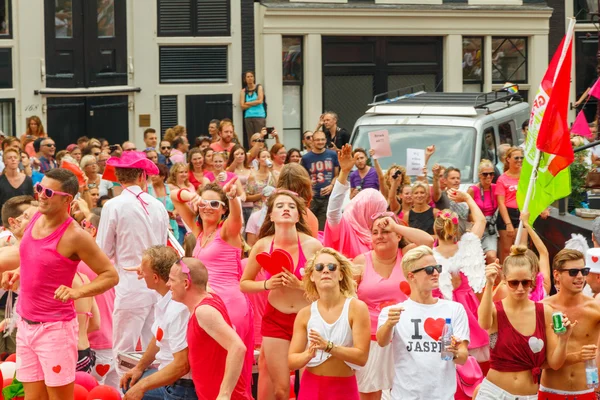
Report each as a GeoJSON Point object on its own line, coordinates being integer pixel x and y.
{"type": "Point", "coordinates": [175, 17]}
{"type": "Point", "coordinates": [213, 18]}
{"type": "Point", "coordinates": [168, 113]}
{"type": "Point", "coordinates": [198, 64]}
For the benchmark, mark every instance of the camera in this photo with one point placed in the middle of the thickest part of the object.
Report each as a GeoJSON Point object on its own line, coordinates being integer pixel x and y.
{"type": "Point", "coordinates": [113, 147]}
{"type": "Point", "coordinates": [269, 132]}
{"type": "Point", "coordinates": [397, 174]}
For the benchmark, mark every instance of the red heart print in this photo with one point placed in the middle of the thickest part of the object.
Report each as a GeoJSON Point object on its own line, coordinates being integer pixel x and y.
{"type": "Point", "coordinates": [434, 327]}
{"type": "Point", "coordinates": [595, 259]}
{"type": "Point", "coordinates": [159, 334]}
{"type": "Point", "coordinates": [102, 369]}
{"type": "Point", "coordinates": [385, 304]}
{"type": "Point", "coordinates": [56, 369]}
{"type": "Point", "coordinates": [405, 288]}
{"type": "Point", "coordinates": [275, 262]}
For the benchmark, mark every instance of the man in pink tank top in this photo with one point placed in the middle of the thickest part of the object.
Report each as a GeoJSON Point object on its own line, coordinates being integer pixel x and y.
{"type": "Point", "coordinates": [216, 352]}
{"type": "Point", "coordinates": [50, 250]}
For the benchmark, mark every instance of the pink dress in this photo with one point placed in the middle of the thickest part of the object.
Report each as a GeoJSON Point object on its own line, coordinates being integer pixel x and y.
{"type": "Point", "coordinates": [223, 262]}
{"type": "Point", "coordinates": [378, 292]}
{"type": "Point", "coordinates": [469, 262]}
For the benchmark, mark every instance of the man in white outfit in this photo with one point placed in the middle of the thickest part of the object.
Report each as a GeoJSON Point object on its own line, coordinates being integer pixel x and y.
{"type": "Point", "coordinates": [131, 223]}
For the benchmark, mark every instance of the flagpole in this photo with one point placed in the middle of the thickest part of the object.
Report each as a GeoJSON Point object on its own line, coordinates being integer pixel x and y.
{"type": "Point", "coordinates": [532, 178]}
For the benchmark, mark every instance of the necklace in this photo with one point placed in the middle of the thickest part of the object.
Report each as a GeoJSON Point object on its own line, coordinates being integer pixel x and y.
{"type": "Point", "coordinates": [207, 239]}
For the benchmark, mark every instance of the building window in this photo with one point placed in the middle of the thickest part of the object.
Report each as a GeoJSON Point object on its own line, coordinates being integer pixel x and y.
{"type": "Point", "coordinates": [168, 113]}
{"type": "Point", "coordinates": [194, 18]}
{"type": "Point", "coordinates": [585, 10]}
{"type": "Point", "coordinates": [472, 65]}
{"type": "Point", "coordinates": [5, 20]}
{"type": "Point", "coordinates": [509, 60]}
{"type": "Point", "coordinates": [293, 78]}
{"type": "Point", "coordinates": [7, 117]}
{"type": "Point", "coordinates": [197, 64]}
{"type": "Point", "coordinates": [6, 75]}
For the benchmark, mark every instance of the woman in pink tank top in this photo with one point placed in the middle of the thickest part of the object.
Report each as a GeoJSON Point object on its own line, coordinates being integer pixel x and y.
{"type": "Point", "coordinates": [381, 283]}
{"type": "Point", "coordinates": [219, 247]}
{"type": "Point", "coordinates": [285, 228]}
{"type": "Point", "coordinates": [521, 335]}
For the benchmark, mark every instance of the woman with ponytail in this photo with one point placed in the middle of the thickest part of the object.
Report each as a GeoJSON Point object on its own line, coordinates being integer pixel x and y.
{"type": "Point", "coordinates": [217, 228]}
{"type": "Point", "coordinates": [463, 263]}
{"type": "Point", "coordinates": [522, 339]}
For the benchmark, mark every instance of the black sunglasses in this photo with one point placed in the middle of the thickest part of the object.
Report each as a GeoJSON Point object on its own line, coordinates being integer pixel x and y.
{"type": "Point", "coordinates": [486, 174]}
{"type": "Point", "coordinates": [514, 284]}
{"type": "Point", "coordinates": [575, 271]}
{"type": "Point", "coordinates": [166, 148]}
{"type": "Point", "coordinates": [429, 269]}
{"type": "Point", "coordinates": [519, 158]}
{"type": "Point", "coordinates": [258, 140]}
{"type": "Point", "coordinates": [320, 267]}
{"type": "Point", "coordinates": [50, 145]}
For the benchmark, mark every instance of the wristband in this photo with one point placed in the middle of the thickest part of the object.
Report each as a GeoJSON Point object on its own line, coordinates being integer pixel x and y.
{"type": "Point", "coordinates": [179, 194]}
{"type": "Point", "coordinates": [507, 224]}
{"type": "Point", "coordinates": [265, 284]}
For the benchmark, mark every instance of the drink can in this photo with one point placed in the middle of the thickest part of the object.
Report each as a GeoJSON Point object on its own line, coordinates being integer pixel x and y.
{"type": "Point", "coordinates": [557, 323]}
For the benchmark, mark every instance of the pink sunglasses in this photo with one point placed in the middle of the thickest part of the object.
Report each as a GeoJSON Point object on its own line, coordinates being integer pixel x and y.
{"type": "Point", "coordinates": [48, 192]}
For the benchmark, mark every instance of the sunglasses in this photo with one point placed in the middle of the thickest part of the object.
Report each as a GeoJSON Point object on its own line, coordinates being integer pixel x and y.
{"type": "Point", "coordinates": [514, 284]}
{"type": "Point", "coordinates": [575, 271]}
{"type": "Point", "coordinates": [185, 269]}
{"type": "Point", "coordinates": [519, 158]}
{"type": "Point", "coordinates": [308, 137]}
{"type": "Point", "coordinates": [214, 204]}
{"type": "Point", "coordinates": [258, 141]}
{"type": "Point", "coordinates": [320, 267]}
{"type": "Point", "coordinates": [50, 145]}
{"type": "Point", "coordinates": [486, 174]}
{"type": "Point", "coordinates": [134, 149]}
{"type": "Point", "coordinates": [48, 192]}
{"type": "Point", "coordinates": [429, 269]}
{"type": "Point", "coordinates": [166, 148]}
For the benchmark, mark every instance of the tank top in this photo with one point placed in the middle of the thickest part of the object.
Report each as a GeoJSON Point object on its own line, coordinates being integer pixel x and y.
{"type": "Point", "coordinates": [257, 111]}
{"type": "Point", "coordinates": [42, 272]}
{"type": "Point", "coordinates": [299, 270]}
{"type": "Point", "coordinates": [378, 292]}
{"type": "Point", "coordinates": [193, 180]}
{"type": "Point", "coordinates": [207, 357]}
{"type": "Point", "coordinates": [510, 351]}
{"type": "Point", "coordinates": [487, 204]}
{"type": "Point", "coordinates": [423, 220]}
{"type": "Point", "coordinates": [340, 332]}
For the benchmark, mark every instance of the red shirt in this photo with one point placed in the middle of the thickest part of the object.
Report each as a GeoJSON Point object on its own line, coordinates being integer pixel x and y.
{"type": "Point", "coordinates": [207, 357]}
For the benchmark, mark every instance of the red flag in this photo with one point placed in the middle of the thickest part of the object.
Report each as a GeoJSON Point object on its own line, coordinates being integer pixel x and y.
{"type": "Point", "coordinates": [554, 137]}
{"type": "Point", "coordinates": [595, 90]}
{"type": "Point", "coordinates": [74, 168]}
{"type": "Point", "coordinates": [109, 174]}
{"type": "Point", "coordinates": [581, 126]}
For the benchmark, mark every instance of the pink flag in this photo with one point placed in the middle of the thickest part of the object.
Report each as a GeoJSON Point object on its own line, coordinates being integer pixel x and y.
{"type": "Point", "coordinates": [581, 127]}
{"type": "Point", "coordinates": [595, 90]}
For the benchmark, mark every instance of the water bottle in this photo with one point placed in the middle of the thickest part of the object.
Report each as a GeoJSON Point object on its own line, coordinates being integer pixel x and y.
{"type": "Point", "coordinates": [446, 341]}
{"type": "Point", "coordinates": [591, 373]}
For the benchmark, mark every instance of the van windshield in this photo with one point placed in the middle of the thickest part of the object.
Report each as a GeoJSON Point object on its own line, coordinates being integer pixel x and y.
{"type": "Point", "coordinates": [454, 145]}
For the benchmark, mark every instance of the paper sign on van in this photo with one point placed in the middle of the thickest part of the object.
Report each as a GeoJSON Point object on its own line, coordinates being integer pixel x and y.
{"type": "Point", "coordinates": [415, 161]}
{"type": "Point", "coordinates": [380, 143]}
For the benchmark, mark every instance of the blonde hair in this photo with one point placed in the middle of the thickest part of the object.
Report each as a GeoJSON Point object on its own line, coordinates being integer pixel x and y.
{"type": "Point", "coordinates": [445, 225]}
{"type": "Point", "coordinates": [347, 284]}
{"type": "Point", "coordinates": [175, 169]}
{"type": "Point", "coordinates": [412, 256]}
{"type": "Point", "coordinates": [509, 153]}
{"type": "Point", "coordinates": [485, 163]}
{"type": "Point", "coordinates": [388, 174]}
{"type": "Point", "coordinates": [169, 135]}
{"type": "Point", "coordinates": [518, 258]}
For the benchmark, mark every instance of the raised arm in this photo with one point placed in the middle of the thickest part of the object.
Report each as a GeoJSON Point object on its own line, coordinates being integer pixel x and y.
{"type": "Point", "coordinates": [341, 186]}
{"type": "Point", "coordinates": [437, 174]}
{"type": "Point", "coordinates": [541, 248]}
{"type": "Point", "coordinates": [234, 222]}
{"type": "Point", "coordinates": [180, 199]}
{"type": "Point", "coordinates": [486, 311]}
{"type": "Point", "coordinates": [479, 220]}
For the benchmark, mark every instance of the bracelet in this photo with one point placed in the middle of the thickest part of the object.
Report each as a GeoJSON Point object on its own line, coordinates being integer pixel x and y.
{"type": "Point", "coordinates": [231, 197]}
{"type": "Point", "coordinates": [265, 284]}
{"type": "Point", "coordinates": [179, 194]}
{"type": "Point", "coordinates": [507, 224]}
{"type": "Point", "coordinates": [329, 347]}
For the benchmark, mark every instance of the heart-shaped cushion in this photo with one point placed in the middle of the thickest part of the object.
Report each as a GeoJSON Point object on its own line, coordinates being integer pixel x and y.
{"type": "Point", "coordinates": [536, 345]}
{"type": "Point", "coordinates": [275, 262]}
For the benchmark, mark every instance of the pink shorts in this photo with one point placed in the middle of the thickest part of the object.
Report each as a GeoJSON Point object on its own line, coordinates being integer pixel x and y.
{"type": "Point", "coordinates": [316, 387]}
{"type": "Point", "coordinates": [47, 352]}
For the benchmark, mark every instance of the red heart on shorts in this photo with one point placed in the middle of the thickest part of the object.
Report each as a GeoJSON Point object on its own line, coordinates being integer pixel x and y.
{"type": "Point", "coordinates": [56, 368]}
{"type": "Point", "coordinates": [595, 259]}
{"type": "Point", "coordinates": [102, 369]}
{"type": "Point", "coordinates": [434, 327]}
{"type": "Point", "coordinates": [405, 288]}
{"type": "Point", "coordinates": [275, 262]}
{"type": "Point", "coordinates": [159, 334]}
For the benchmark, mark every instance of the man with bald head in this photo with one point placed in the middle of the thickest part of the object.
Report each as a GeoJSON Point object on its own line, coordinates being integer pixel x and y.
{"type": "Point", "coordinates": [216, 352]}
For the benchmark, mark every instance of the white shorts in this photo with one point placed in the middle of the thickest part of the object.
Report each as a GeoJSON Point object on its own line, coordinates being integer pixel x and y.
{"type": "Point", "coordinates": [489, 391]}
{"type": "Point", "coordinates": [378, 373]}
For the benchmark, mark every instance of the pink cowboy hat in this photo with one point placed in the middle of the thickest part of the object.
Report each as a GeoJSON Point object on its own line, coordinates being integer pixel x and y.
{"type": "Point", "coordinates": [133, 159]}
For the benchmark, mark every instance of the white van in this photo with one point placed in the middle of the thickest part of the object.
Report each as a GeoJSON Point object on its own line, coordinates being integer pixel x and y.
{"type": "Point", "coordinates": [464, 127]}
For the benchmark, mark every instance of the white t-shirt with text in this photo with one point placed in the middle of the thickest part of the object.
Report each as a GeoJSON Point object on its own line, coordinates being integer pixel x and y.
{"type": "Point", "coordinates": [419, 371]}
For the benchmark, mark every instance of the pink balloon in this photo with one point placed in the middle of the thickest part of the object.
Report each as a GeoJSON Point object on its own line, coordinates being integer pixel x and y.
{"type": "Point", "coordinates": [103, 392]}
{"type": "Point", "coordinates": [80, 393]}
{"type": "Point", "coordinates": [86, 380]}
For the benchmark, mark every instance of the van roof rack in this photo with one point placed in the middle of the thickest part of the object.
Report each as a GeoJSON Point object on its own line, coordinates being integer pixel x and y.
{"type": "Point", "coordinates": [410, 96]}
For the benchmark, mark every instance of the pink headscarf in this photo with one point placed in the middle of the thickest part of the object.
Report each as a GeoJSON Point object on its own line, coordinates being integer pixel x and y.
{"type": "Point", "coordinates": [353, 234]}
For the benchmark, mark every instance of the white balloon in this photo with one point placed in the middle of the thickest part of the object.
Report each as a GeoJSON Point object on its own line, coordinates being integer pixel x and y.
{"type": "Point", "coordinates": [8, 369]}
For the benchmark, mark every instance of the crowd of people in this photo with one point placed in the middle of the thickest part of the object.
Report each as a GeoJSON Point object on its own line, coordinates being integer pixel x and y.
{"type": "Point", "coordinates": [240, 272]}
